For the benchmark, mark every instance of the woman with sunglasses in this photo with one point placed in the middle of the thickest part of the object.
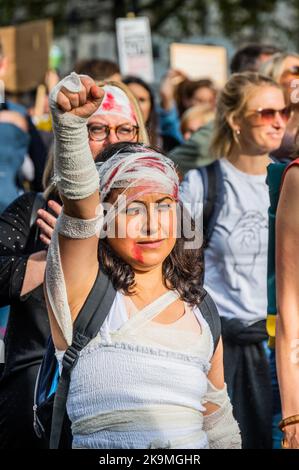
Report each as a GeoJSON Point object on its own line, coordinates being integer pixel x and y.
{"type": "Point", "coordinates": [283, 67]}
{"type": "Point", "coordinates": [250, 122]}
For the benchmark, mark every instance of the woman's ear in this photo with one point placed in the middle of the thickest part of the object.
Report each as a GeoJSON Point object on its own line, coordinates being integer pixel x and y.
{"type": "Point", "coordinates": [233, 123]}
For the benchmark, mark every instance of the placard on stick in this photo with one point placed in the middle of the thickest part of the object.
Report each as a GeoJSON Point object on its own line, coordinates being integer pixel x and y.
{"type": "Point", "coordinates": [135, 47]}
{"type": "Point", "coordinates": [27, 49]}
{"type": "Point", "coordinates": [200, 61]}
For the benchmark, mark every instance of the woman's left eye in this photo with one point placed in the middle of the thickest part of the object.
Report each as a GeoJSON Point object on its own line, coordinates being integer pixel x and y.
{"type": "Point", "coordinates": [133, 210]}
{"type": "Point", "coordinates": [163, 207]}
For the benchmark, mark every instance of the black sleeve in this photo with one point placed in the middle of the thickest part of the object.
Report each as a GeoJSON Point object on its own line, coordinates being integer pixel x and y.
{"type": "Point", "coordinates": [14, 233]}
{"type": "Point", "coordinates": [38, 154]}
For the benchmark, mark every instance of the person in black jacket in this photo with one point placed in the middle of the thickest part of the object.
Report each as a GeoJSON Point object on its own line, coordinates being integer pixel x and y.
{"type": "Point", "coordinates": [22, 265]}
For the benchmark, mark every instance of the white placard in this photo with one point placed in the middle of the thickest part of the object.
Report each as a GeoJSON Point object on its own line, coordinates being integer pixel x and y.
{"type": "Point", "coordinates": [200, 61]}
{"type": "Point", "coordinates": [135, 47]}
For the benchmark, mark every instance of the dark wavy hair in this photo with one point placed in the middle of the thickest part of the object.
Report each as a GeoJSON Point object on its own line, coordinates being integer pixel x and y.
{"type": "Point", "coordinates": [182, 269]}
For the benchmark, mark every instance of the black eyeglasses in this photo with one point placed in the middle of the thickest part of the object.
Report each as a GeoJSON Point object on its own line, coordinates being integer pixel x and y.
{"type": "Point", "coordinates": [123, 132]}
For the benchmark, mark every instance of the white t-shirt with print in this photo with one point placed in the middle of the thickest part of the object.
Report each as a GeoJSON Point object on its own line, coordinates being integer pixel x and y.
{"type": "Point", "coordinates": [236, 258]}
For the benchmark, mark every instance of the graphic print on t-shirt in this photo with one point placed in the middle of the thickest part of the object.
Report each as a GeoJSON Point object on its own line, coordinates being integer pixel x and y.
{"type": "Point", "coordinates": [245, 240]}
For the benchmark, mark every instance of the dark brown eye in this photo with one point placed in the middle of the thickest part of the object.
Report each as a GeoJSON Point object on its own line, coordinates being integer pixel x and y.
{"type": "Point", "coordinates": [98, 129]}
{"type": "Point", "coordinates": [125, 129]}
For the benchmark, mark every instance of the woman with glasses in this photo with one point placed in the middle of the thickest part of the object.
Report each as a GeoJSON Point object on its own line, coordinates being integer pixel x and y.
{"type": "Point", "coordinates": [118, 119]}
{"type": "Point", "coordinates": [283, 67]}
{"type": "Point", "coordinates": [250, 122]}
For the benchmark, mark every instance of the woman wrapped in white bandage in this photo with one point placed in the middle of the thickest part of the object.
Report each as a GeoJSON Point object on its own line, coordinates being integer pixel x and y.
{"type": "Point", "coordinates": [151, 377]}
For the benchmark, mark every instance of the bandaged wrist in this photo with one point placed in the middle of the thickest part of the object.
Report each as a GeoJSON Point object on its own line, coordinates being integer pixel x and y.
{"type": "Point", "coordinates": [221, 427]}
{"type": "Point", "coordinates": [74, 169]}
{"type": "Point", "coordinates": [72, 227]}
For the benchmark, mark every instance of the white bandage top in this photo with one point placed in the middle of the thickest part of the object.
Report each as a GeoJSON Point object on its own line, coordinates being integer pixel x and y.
{"type": "Point", "coordinates": [139, 383]}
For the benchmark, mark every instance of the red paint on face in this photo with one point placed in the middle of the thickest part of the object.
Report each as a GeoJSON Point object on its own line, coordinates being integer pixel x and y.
{"type": "Point", "coordinates": [137, 254]}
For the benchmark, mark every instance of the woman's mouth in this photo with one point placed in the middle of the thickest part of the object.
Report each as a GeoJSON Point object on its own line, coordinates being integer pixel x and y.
{"type": "Point", "coordinates": [150, 243]}
{"type": "Point", "coordinates": [275, 135]}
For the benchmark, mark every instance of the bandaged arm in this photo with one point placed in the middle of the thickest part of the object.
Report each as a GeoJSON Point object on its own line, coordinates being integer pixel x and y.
{"type": "Point", "coordinates": [74, 169]}
{"type": "Point", "coordinates": [77, 178]}
{"type": "Point", "coordinates": [220, 426]}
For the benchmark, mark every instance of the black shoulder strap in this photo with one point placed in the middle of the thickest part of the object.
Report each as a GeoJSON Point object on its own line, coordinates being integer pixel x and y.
{"type": "Point", "coordinates": [86, 327]}
{"type": "Point", "coordinates": [210, 313]}
{"type": "Point", "coordinates": [213, 197]}
{"type": "Point", "coordinates": [39, 203]}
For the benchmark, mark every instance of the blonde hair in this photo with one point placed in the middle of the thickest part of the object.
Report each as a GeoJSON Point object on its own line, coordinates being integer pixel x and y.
{"type": "Point", "coordinates": [274, 67]}
{"type": "Point", "coordinates": [231, 103]}
{"type": "Point", "coordinates": [142, 137]}
{"type": "Point", "coordinates": [202, 111]}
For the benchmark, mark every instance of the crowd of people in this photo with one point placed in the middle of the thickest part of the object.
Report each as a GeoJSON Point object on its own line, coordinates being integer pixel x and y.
{"type": "Point", "coordinates": [180, 358]}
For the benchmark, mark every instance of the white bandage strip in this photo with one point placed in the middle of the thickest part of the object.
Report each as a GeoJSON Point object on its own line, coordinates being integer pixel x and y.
{"type": "Point", "coordinates": [74, 169]}
{"type": "Point", "coordinates": [215, 395]}
{"type": "Point", "coordinates": [149, 169]}
{"type": "Point", "coordinates": [55, 283]}
{"type": "Point", "coordinates": [71, 227]}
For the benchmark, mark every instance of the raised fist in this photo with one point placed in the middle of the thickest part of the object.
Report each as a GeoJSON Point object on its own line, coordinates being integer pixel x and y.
{"type": "Point", "coordinates": [78, 95]}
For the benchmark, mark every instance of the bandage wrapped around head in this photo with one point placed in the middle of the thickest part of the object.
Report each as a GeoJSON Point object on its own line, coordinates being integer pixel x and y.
{"type": "Point", "coordinates": [147, 169]}
{"type": "Point", "coordinates": [116, 103]}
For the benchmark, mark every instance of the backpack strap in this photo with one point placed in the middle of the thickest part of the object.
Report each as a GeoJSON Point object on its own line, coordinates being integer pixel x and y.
{"type": "Point", "coordinates": [210, 313]}
{"type": "Point", "coordinates": [213, 196]}
{"type": "Point", "coordinates": [38, 203]}
{"type": "Point", "coordinates": [86, 327]}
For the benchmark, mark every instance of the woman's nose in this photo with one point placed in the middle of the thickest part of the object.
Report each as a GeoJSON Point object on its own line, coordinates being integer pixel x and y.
{"type": "Point", "coordinates": [112, 139]}
{"type": "Point", "coordinates": [150, 222]}
{"type": "Point", "coordinates": [278, 121]}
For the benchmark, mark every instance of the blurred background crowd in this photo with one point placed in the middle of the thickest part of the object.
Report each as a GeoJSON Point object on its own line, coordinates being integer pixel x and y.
{"type": "Point", "coordinates": [184, 97]}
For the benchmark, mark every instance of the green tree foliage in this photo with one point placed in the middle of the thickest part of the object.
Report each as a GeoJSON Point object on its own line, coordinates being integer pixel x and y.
{"type": "Point", "coordinates": [235, 18]}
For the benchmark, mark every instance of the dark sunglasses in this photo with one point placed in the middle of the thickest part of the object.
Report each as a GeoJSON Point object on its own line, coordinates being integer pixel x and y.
{"type": "Point", "coordinates": [268, 115]}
